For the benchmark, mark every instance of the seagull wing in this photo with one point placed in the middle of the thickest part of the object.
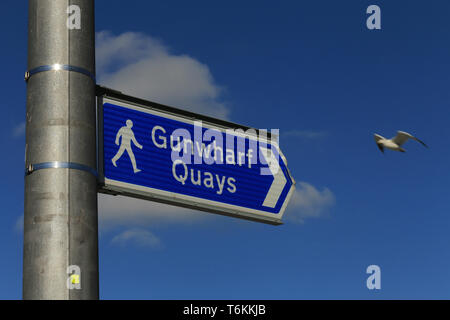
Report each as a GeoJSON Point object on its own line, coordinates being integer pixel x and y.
{"type": "Point", "coordinates": [378, 138]}
{"type": "Point", "coordinates": [380, 146]}
{"type": "Point", "coordinates": [402, 137]}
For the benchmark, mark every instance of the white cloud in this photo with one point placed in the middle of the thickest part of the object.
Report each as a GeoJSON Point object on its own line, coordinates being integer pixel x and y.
{"type": "Point", "coordinates": [142, 66]}
{"type": "Point", "coordinates": [139, 237]}
{"type": "Point", "coordinates": [19, 130]}
{"type": "Point", "coordinates": [309, 202]}
{"type": "Point", "coordinates": [118, 210]}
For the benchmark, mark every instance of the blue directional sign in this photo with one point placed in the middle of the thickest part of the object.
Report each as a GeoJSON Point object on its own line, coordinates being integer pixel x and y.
{"type": "Point", "coordinates": [183, 160]}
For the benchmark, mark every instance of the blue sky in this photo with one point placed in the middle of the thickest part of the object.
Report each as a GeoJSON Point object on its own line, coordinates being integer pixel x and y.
{"type": "Point", "coordinates": [311, 69]}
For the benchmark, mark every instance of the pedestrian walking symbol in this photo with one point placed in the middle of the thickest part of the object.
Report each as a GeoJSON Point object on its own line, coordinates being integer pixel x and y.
{"type": "Point", "coordinates": [126, 135]}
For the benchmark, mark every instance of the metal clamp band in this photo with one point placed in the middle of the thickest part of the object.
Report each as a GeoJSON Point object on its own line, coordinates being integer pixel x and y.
{"type": "Point", "coordinates": [57, 164]}
{"type": "Point", "coordinates": [57, 67]}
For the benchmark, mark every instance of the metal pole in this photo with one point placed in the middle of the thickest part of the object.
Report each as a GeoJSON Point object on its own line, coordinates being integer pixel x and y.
{"type": "Point", "coordinates": [61, 224]}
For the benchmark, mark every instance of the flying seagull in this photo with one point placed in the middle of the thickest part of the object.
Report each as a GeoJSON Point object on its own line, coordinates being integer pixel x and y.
{"type": "Point", "coordinates": [396, 142]}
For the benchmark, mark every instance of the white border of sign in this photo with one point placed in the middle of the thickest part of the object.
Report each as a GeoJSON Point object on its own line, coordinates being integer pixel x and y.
{"type": "Point", "coordinates": [122, 188]}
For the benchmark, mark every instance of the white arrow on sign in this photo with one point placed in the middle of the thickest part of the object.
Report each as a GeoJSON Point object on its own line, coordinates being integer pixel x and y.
{"type": "Point", "coordinates": [279, 180]}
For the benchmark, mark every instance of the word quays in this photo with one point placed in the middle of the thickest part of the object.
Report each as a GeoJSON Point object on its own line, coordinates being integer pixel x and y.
{"type": "Point", "coordinates": [198, 178]}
